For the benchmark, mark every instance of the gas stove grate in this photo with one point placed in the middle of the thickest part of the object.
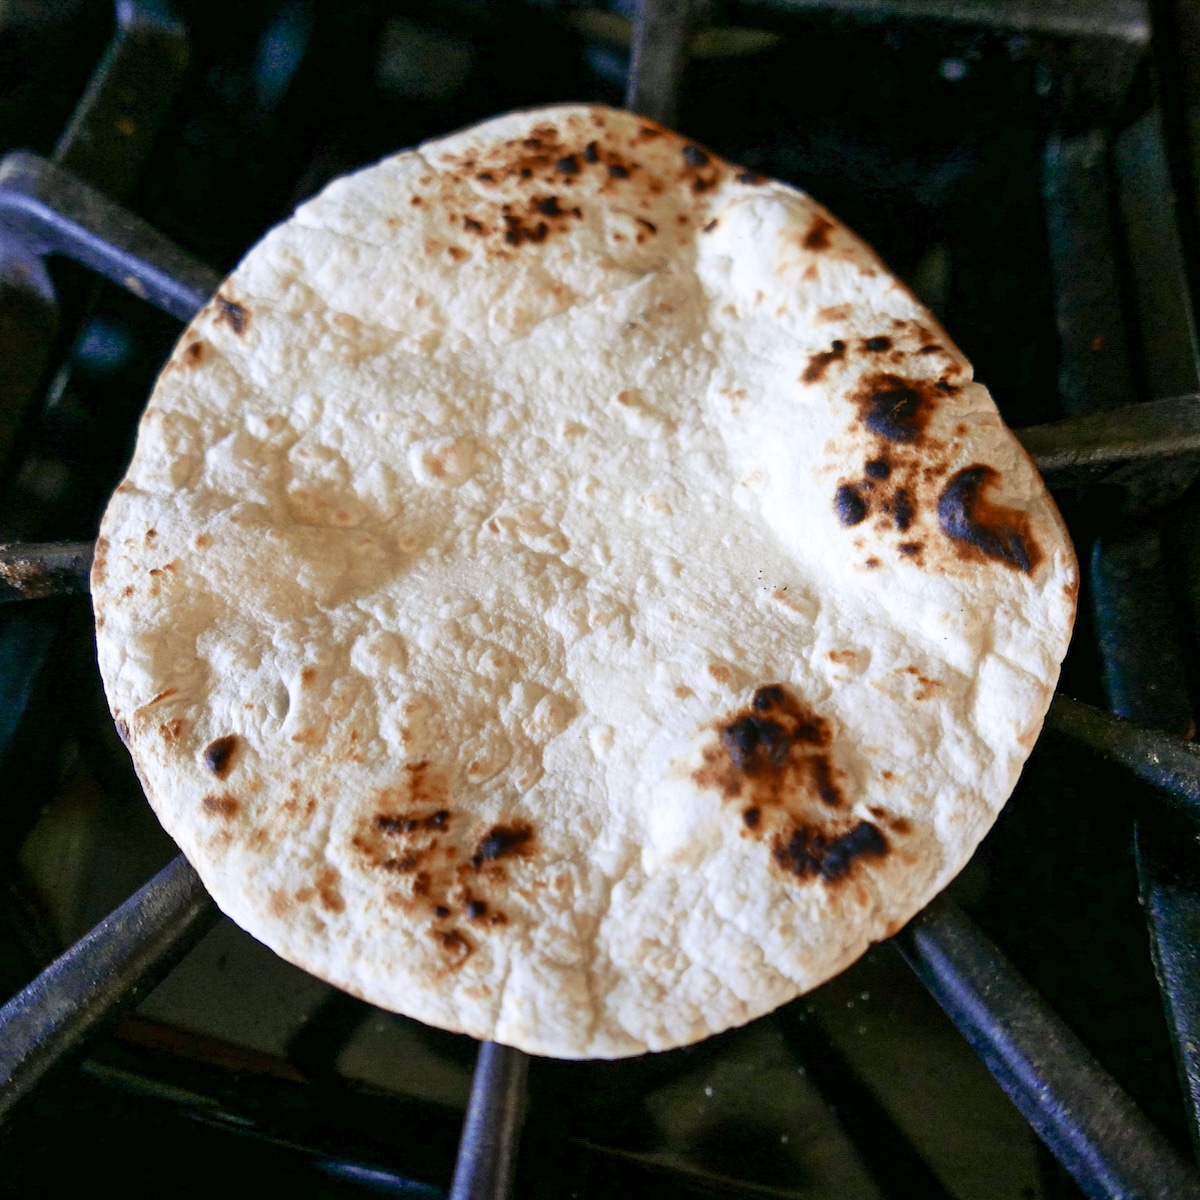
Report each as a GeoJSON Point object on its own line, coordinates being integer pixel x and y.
{"type": "Point", "coordinates": [65, 207]}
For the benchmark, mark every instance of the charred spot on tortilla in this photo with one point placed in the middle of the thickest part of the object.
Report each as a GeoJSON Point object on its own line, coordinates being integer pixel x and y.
{"type": "Point", "coordinates": [849, 505]}
{"type": "Point", "coordinates": [895, 409]}
{"type": "Point", "coordinates": [501, 841]}
{"type": "Point", "coordinates": [876, 344]}
{"type": "Point", "coordinates": [694, 156]}
{"type": "Point", "coordinates": [218, 755]}
{"type": "Point", "coordinates": [817, 237]}
{"type": "Point", "coordinates": [819, 363]}
{"type": "Point", "coordinates": [968, 518]}
{"type": "Point", "coordinates": [235, 315]}
{"type": "Point", "coordinates": [902, 509]}
{"type": "Point", "coordinates": [878, 468]}
{"type": "Point", "coordinates": [809, 852]}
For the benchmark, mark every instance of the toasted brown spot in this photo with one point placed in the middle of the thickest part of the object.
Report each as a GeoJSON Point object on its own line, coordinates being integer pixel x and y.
{"type": "Point", "coordinates": [327, 894]}
{"type": "Point", "coordinates": [817, 237]}
{"type": "Point", "coordinates": [457, 253]}
{"type": "Point", "coordinates": [749, 177]}
{"type": "Point", "coordinates": [233, 314]}
{"type": "Point", "coordinates": [849, 505]}
{"type": "Point", "coordinates": [871, 564]}
{"type": "Point", "coordinates": [501, 841]}
{"type": "Point", "coordinates": [308, 676]}
{"type": "Point", "coordinates": [773, 755]}
{"type": "Point", "coordinates": [567, 165]}
{"type": "Point", "coordinates": [591, 152]}
{"type": "Point", "coordinates": [694, 156]}
{"type": "Point", "coordinates": [876, 344]}
{"type": "Point", "coordinates": [454, 944]}
{"type": "Point", "coordinates": [476, 909]}
{"type": "Point", "coordinates": [404, 864]}
{"type": "Point", "coordinates": [224, 806]}
{"type": "Point", "coordinates": [895, 409]}
{"type": "Point", "coordinates": [218, 755]}
{"type": "Point", "coordinates": [808, 852]}
{"type": "Point", "coordinates": [472, 225]}
{"type": "Point", "coordinates": [838, 312]}
{"type": "Point", "coordinates": [616, 171]}
{"type": "Point", "coordinates": [201, 540]}
{"type": "Point", "coordinates": [649, 226]}
{"type": "Point", "coordinates": [193, 354]}
{"type": "Point", "coordinates": [819, 363]}
{"type": "Point", "coordinates": [441, 911]}
{"type": "Point", "coordinates": [980, 527]}
{"type": "Point", "coordinates": [170, 730]}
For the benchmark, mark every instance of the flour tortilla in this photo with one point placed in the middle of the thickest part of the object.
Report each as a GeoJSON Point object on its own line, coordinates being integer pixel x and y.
{"type": "Point", "coordinates": [568, 591]}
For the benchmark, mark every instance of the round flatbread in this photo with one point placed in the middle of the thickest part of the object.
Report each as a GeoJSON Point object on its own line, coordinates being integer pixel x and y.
{"type": "Point", "coordinates": [568, 591]}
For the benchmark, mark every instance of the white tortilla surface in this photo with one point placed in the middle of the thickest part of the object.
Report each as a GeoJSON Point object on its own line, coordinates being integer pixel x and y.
{"type": "Point", "coordinates": [566, 590]}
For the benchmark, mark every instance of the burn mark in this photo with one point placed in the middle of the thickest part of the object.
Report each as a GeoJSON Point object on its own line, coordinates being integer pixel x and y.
{"type": "Point", "coordinates": [472, 225]}
{"type": "Point", "coordinates": [235, 315]}
{"type": "Point", "coordinates": [500, 841]}
{"type": "Point", "coordinates": [749, 177]}
{"type": "Point", "coordinates": [616, 171]}
{"type": "Point", "coordinates": [441, 911]}
{"type": "Point", "coordinates": [770, 756]}
{"type": "Point", "coordinates": [973, 522]}
{"type": "Point", "coordinates": [549, 207]}
{"type": "Point", "coordinates": [694, 156]}
{"type": "Point", "coordinates": [878, 468]}
{"type": "Point", "coordinates": [476, 909]}
{"type": "Point", "coordinates": [224, 806]}
{"type": "Point", "coordinates": [193, 356]}
{"type": "Point", "coordinates": [710, 226]}
{"type": "Point", "coordinates": [591, 152]}
{"type": "Point", "coordinates": [817, 237]}
{"type": "Point", "coordinates": [902, 509]}
{"type": "Point", "coordinates": [567, 165]}
{"type": "Point", "coordinates": [218, 755]}
{"type": "Point", "coordinates": [649, 226]}
{"type": "Point", "coordinates": [808, 852]}
{"type": "Point", "coordinates": [849, 505]}
{"type": "Point", "coordinates": [894, 409]}
{"type": "Point", "coordinates": [876, 344]}
{"type": "Point", "coordinates": [769, 697]}
{"type": "Point", "coordinates": [819, 363]}
{"type": "Point", "coordinates": [390, 823]}
{"type": "Point", "coordinates": [909, 549]}
{"type": "Point", "coordinates": [827, 789]}
{"type": "Point", "coordinates": [454, 944]}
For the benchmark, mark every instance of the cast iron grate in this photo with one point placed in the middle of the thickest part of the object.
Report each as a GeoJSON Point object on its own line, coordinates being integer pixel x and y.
{"type": "Point", "coordinates": [1142, 456]}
